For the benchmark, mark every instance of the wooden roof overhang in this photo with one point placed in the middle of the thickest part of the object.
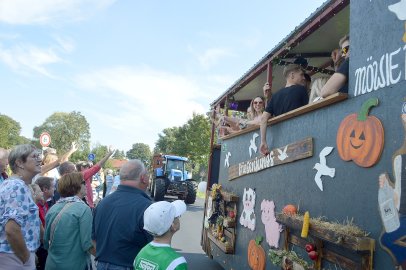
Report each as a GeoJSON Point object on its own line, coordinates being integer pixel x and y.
{"type": "Point", "coordinates": [313, 40]}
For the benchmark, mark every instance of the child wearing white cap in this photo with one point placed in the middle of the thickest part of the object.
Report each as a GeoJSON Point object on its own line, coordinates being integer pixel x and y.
{"type": "Point", "coordinates": [161, 219]}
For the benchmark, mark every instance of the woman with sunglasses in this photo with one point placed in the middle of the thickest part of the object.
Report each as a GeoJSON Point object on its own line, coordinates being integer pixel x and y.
{"type": "Point", "coordinates": [20, 230]}
{"type": "Point", "coordinates": [339, 81]}
{"type": "Point", "coordinates": [254, 114]}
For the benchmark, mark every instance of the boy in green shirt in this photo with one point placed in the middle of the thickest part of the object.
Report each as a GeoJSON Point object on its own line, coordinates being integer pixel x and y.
{"type": "Point", "coordinates": [161, 219]}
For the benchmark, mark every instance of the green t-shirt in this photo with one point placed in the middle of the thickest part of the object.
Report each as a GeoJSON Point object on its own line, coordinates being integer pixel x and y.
{"type": "Point", "coordinates": [156, 256]}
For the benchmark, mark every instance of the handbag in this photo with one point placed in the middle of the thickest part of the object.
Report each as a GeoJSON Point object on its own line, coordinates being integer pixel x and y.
{"type": "Point", "coordinates": [56, 221]}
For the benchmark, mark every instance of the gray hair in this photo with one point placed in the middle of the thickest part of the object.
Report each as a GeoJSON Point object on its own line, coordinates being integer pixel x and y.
{"type": "Point", "coordinates": [21, 152]}
{"type": "Point", "coordinates": [132, 170]}
{"type": "Point", "coordinates": [66, 167]}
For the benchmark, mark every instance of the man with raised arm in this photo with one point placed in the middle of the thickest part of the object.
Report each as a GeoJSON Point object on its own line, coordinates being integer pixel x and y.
{"type": "Point", "coordinates": [292, 96]}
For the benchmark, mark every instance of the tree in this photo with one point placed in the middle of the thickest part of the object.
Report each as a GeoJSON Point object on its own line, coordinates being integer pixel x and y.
{"type": "Point", "coordinates": [167, 140]}
{"type": "Point", "coordinates": [10, 132]}
{"type": "Point", "coordinates": [140, 151]}
{"type": "Point", "coordinates": [191, 140]}
{"type": "Point", "coordinates": [119, 154]}
{"type": "Point", "coordinates": [65, 128]}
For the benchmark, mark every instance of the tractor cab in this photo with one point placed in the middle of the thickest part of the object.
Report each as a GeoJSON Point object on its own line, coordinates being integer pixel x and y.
{"type": "Point", "coordinates": [171, 178]}
{"type": "Point", "coordinates": [175, 169]}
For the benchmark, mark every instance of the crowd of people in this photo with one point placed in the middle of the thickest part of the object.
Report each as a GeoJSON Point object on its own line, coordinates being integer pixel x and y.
{"type": "Point", "coordinates": [299, 90]}
{"type": "Point", "coordinates": [52, 216]}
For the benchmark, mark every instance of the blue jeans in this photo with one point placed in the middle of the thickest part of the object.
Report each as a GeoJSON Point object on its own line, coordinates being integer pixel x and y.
{"type": "Point", "coordinates": [109, 266]}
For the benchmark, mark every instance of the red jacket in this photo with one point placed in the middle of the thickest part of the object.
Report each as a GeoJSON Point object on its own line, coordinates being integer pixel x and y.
{"type": "Point", "coordinates": [87, 176]}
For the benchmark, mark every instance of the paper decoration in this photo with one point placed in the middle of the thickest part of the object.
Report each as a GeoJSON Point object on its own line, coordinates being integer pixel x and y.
{"type": "Point", "coordinates": [282, 154]}
{"type": "Point", "coordinates": [247, 218]}
{"type": "Point", "coordinates": [360, 137]}
{"type": "Point", "coordinates": [392, 203]}
{"type": "Point", "coordinates": [253, 144]}
{"type": "Point", "coordinates": [272, 228]}
{"type": "Point", "coordinates": [322, 168]}
{"type": "Point", "coordinates": [226, 160]}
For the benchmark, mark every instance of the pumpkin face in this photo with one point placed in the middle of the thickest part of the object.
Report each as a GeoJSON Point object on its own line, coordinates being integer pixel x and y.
{"type": "Point", "coordinates": [290, 210]}
{"type": "Point", "coordinates": [361, 137]}
{"type": "Point", "coordinates": [256, 256]}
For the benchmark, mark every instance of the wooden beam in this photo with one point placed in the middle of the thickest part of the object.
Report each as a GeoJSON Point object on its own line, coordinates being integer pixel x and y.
{"type": "Point", "coordinates": [337, 97]}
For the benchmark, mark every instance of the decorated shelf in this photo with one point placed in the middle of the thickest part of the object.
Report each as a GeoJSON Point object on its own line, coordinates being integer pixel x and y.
{"type": "Point", "coordinates": [363, 246]}
{"type": "Point", "coordinates": [226, 247]}
{"type": "Point", "coordinates": [348, 241]}
{"type": "Point", "coordinates": [229, 197]}
{"type": "Point", "coordinates": [221, 216]}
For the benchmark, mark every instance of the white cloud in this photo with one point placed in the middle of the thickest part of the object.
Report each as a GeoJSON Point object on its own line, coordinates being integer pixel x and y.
{"type": "Point", "coordinates": [67, 44]}
{"type": "Point", "coordinates": [46, 11]}
{"type": "Point", "coordinates": [212, 56]}
{"type": "Point", "coordinates": [148, 100]}
{"type": "Point", "coordinates": [28, 58]}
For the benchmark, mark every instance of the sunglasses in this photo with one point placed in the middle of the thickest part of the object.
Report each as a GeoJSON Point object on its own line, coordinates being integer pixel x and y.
{"type": "Point", "coordinates": [345, 49]}
{"type": "Point", "coordinates": [258, 102]}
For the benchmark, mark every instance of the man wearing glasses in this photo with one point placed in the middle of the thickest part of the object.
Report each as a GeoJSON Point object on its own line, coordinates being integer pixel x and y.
{"type": "Point", "coordinates": [339, 81]}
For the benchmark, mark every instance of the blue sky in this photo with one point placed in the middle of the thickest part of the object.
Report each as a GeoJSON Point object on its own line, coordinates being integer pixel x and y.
{"type": "Point", "coordinates": [132, 68]}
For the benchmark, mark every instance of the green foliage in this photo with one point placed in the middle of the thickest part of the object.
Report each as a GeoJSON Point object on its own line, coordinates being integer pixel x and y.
{"type": "Point", "coordinates": [167, 141]}
{"type": "Point", "coordinates": [10, 132]}
{"type": "Point", "coordinates": [276, 257]}
{"type": "Point", "coordinates": [99, 151]}
{"type": "Point", "coordinates": [64, 129]}
{"type": "Point", "coordinates": [140, 151]}
{"type": "Point", "coordinates": [119, 154]}
{"type": "Point", "coordinates": [191, 140]}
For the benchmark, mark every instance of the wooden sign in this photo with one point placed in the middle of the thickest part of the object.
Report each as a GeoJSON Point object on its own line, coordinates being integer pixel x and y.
{"type": "Point", "coordinates": [285, 154]}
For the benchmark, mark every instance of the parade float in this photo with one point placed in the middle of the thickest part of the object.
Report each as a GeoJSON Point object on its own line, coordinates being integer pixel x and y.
{"type": "Point", "coordinates": [332, 192]}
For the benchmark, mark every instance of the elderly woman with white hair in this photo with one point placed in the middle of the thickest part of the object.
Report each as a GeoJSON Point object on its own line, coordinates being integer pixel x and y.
{"type": "Point", "coordinates": [19, 219]}
{"type": "Point", "coordinates": [109, 181]}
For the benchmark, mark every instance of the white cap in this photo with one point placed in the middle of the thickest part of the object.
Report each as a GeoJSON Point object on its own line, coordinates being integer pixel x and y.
{"type": "Point", "coordinates": [159, 216]}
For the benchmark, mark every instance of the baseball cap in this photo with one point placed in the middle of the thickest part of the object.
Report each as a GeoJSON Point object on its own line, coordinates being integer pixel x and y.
{"type": "Point", "coordinates": [159, 216]}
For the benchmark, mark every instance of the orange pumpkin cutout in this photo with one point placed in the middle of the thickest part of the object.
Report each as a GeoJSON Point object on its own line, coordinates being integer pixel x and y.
{"type": "Point", "coordinates": [360, 137]}
{"type": "Point", "coordinates": [289, 210]}
{"type": "Point", "coordinates": [256, 254]}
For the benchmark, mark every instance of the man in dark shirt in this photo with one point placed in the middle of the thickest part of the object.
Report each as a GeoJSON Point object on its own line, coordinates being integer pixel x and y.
{"type": "Point", "coordinates": [118, 223]}
{"type": "Point", "coordinates": [292, 96]}
{"type": "Point", "coordinates": [339, 81]}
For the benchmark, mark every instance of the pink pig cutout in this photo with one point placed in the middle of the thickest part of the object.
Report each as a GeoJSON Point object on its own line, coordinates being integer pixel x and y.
{"type": "Point", "coordinates": [272, 228]}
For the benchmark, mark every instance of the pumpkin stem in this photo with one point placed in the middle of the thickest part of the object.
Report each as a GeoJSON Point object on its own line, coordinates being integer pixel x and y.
{"type": "Point", "coordinates": [258, 240]}
{"type": "Point", "coordinates": [366, 106]}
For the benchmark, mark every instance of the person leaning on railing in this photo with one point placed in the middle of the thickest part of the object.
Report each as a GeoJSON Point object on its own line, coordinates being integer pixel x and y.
{"type": "Point", "coordinates": [254, 114]}
{"type": "Point", "coordinates": [339, 81]}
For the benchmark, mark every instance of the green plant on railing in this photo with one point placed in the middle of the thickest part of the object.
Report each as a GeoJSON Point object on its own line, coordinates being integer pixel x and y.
{"type": "Point", "coordinates": [276, 257]}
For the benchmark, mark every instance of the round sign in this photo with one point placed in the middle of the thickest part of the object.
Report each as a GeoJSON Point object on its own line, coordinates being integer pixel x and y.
{"type": "Point", "coordinates": [45, 139]}
{"type": "Point", "coordinates": [91, 157]}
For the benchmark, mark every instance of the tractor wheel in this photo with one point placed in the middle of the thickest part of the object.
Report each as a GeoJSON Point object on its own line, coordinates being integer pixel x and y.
{"type": "Point", "coordinates": [159, 189]}
{"type": "Point", "coordinates": [191, 193]}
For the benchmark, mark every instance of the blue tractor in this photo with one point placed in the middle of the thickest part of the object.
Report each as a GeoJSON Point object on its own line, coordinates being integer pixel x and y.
{"type": "Point", "coordinates": [171, 178]}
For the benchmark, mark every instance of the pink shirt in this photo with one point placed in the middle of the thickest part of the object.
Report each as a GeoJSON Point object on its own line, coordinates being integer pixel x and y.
{"type": "Point", "coordinates": [87, 176]}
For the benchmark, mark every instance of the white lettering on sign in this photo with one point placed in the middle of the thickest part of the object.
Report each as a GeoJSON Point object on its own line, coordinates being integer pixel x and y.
{"type": "Point", "coordinates": [378, 74]}
{"type": "Point", "coordinates": [258, 164]}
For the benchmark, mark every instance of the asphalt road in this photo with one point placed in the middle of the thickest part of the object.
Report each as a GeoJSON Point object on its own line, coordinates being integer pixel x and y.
{"type": "Point", "coordinates": [187, 239]}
